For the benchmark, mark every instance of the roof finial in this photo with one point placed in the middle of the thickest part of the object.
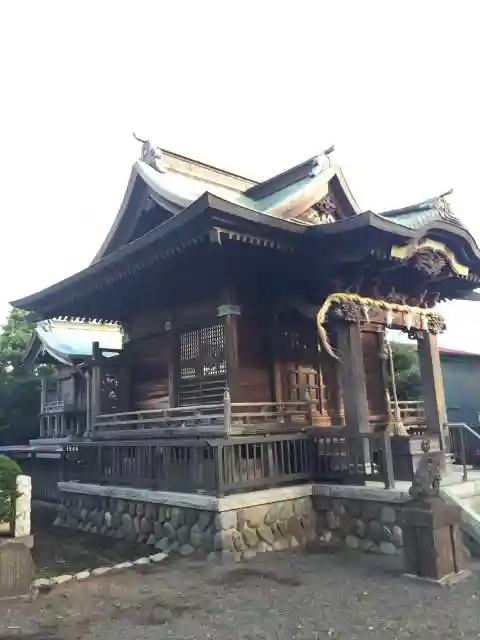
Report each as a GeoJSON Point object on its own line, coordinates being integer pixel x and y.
{"type": "Point", "coordinates": [447, 193]}
{"type": "Point", "coordinates": [323, 161]}
{"type": "Point", "coordinates": [151, 154]}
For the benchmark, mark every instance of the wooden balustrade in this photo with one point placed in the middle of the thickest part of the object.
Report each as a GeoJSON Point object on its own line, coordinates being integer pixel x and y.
{"type": "Point", "coordinates": [222, 466]}
{"type": "Point", "coordinates": [412, 412]}
{"type": "Point", "coordinates": [214, 418]}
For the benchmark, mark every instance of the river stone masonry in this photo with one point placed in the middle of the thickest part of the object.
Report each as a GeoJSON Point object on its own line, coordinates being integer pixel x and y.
{"type": "Point", "coordinates": [238, 533]}
{"type": "Point", "coordinates": [365, 525]}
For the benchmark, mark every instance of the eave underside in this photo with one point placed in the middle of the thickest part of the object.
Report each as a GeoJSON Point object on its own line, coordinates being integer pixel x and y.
{"type": "Point", "coordinates": [213, 223]}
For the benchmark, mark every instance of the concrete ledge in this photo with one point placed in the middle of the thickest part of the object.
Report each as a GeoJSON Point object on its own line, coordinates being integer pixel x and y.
{"type": "Point", "coordinates": [190, 500]}
{"type": "Point", "coordinates": [237, 501]}
{"type": "Point", "coordinates": [360, 493]}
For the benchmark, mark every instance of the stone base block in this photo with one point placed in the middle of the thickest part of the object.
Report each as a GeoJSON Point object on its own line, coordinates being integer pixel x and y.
{"type": "Point", "coordinates": [17, 569]}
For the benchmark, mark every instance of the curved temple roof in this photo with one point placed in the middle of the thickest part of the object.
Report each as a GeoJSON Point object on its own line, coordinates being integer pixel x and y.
{"type": "Point", "coordinates": [184, 190]}
{"type": "Point", "coordinates": [67, 342]}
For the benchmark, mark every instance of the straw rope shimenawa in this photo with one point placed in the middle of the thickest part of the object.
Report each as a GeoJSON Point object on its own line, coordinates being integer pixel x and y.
{"type": "Point", "coordinates": [364, 304]}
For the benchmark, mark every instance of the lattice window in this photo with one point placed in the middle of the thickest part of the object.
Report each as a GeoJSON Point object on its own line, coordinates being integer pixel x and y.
{"type": "Point", "coordinates": [203, 366]}
{"type": "Point", "coordinates": [202, 353]}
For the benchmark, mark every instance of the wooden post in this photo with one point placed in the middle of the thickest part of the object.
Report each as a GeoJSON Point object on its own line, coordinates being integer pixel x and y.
{"type": "Point", "coordinates": [173, 364]}
{"type": "Point", "coordinates": [95, 387]}
{"type": "Point", "coordinates": [227, 412]}
{"type": "Point", "coordinates": [432, 383]}
{"type": "Point", "coordinates": [230, 313]}
{"type": "Point", "coordinates": [354, 388]}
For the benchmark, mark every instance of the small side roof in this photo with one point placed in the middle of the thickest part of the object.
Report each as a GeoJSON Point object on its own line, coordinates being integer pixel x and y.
{"type": "Point", "coordinates": [67, 342]}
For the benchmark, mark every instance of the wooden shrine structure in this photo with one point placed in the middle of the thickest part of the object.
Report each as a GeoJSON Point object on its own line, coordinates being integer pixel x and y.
{"type": "Point", "coordinates": [259, 308]}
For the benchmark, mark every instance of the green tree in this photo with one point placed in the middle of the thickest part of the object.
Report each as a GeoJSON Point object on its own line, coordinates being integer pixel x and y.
{"type": "Point", "coordinates": [19, 387]}
{"type": "Point", "coordinates": [407, 371]}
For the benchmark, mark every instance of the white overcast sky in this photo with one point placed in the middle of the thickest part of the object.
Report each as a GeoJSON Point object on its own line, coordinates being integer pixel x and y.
{"type": "Point", "coordinates": [253, 87]}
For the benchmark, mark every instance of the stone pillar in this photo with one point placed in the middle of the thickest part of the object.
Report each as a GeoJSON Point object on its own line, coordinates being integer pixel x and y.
{"type": "Point", "coordinates": [432, 383]}
{"type": "Point", "coordinates": [354, 388]}
{"type": "Point", "coordinates": [23, 506]}
{"type": "Point", "coordinates": [432, 539]}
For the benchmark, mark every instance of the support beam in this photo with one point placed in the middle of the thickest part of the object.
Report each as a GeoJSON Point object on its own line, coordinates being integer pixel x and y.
{"type": "Point", "coordinates": [432, 384]}
{"type": "Point", "coordinates": [354, 388]}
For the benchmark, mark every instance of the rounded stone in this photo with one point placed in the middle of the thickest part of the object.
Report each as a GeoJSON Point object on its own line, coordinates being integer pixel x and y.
{"type": "Point", "coordinates": [366, 545]}
{"type": "Point", "coordinates": [347, 525]}
{"type": "Point", "coordinates": [387, 515]}
{"type": "Point", "coordinates": [339, 508]}
{"type": "Point", "coordinates": [386, 534]}
{"type": "Point", "coordinates": [277, 534]}
{"type": "Point", "coordinates": [158, 557]}
{"type": "Point", "coordinates": [121, 506]}
{"type": "Point", "coordinates": [207, 540]}
{"type": "Point", "coordinates": [82, 575]}
{"type": "Point", "coordinates": [360, 528]}
{"type": "Point", "coordinates": [163, 544]}
{"type": "Point", "coordinates": [223, 540]}
{"type": "Point", "coordinates": [161, 517]}
{"type": "Point", "coordinates": [204, 519]}
{"type": "Point", "coordinates": [195, 536]}
{"type": "Point", "coordinates": [397, 536]}
{"type": "Point", "coordinates": [177, 517]}
{"type": "Point", "coordinates": [136, 524]}
{"type": "Point", "coordinates": [226, 520]}
{"type": "Point", "coordinates": [297, 507]}
{"type": "Point", "coordinates": [116, 520]}
{"type": "Point", "coordinates": [241, 519]}
{"type": "Point", "coordinates": [272, 513]}
{"type": "Point", "coordinates": [174, 547]}
{"type": "Point", "coordinates": [183, 535]}
{"type": "Point", "coordinates": [238, 542]}
{"type": "Point", "coordinates": [126, 520]}
{"type": "Point", "coordinates": [101, 571]}
{"type": "Point", "coordinates": [250, 536]}
{"type": "Point", "coordinates": [84, 514]}
{"type": "Point", "coordinates": [190, 516]}
{"type": "Point", "coordinates": [388, 548]}
{"type": "Point", "coordinates": [375, 531]}
{"type": "Point", "coordinates": [254, 516]}
{"type": "Point", "coordinates": [186, 550]}
{"type": "Point", "coordinates": [352, 542]}
{"type": "Point", "coordinates": [286, 510]}
{"type": "Point", "coordinates": [108, 519]}
{"type": "Point", "coordinates": [158, 529]}
{"type": "Point", "coordinates": [295, 528]}
{"type": "Point", "coordinates": [146, 525]}
{"type": "Point", "coordinates": [62, 579]}
{"type": "Point", "coordinates": [140, 508]}
{"type": "Point", "coordinates": [282, 527]}
{"type": "Point", "coordinates": [280, 545]}
{"type": "Point", "coordinates": [150, 509]}
{"type": "Point", "coordinates": [151, 540]}
{"type": "Point", "coordinates": [332, 520]}
{"type": "Point", "coordinates": [141, 562]}
{"type": "Point", "coordinates": [326, 537]}
{"type": "Point", "coordinates": [169, 531]}
{"type": "Point", "coordinates": [249, 554]}
{"type": "Point", "coordinates": [266, 534]}
{"type": "Point", "coordinates": [132, 508]}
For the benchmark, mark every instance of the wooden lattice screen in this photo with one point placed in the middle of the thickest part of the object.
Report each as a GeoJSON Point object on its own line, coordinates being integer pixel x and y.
{"type": "Point", "coordinates": [203, 366]}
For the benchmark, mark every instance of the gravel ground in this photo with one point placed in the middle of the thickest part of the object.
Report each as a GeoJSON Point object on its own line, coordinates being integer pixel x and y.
{"type": "Point", "coordinates": [301, 596]}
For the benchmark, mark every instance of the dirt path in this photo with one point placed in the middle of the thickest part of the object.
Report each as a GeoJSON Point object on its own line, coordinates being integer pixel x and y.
{"type": "Point", "coordinates": [276, 596]}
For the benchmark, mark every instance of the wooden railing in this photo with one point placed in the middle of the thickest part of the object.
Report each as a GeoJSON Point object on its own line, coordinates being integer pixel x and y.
{"type": "Point", "coordinates": [412, 412]}
{"type": "Point", "coordinates": [223, 417]}
{"type": "Point", "coordinates": [222, 466]}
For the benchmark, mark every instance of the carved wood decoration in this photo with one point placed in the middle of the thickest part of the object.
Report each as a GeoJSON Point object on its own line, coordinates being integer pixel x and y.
{"type": "Point", "coordinates": [323, 212]}
{"type": "Point", "coordinates": [352, 308]}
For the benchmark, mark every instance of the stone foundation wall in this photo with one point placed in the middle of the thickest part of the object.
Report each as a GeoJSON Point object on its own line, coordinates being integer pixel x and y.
{"type": "Point", "coordinates": [240, 532]}
{"type": "Point", "coordinates": [366, 525]}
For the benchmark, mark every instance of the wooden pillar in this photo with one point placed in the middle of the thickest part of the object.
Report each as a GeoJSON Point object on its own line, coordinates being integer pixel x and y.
{"type": "Point", "coordinates": [230, 314]}
{"type": "Point", "coordinates": [354, 388]}
{"type": "Point", "coordinates": [173, 361]}
{"type": "Point", "coordinates": [95, 387]}
{"type": "Point", "coordinates": [432, 384]}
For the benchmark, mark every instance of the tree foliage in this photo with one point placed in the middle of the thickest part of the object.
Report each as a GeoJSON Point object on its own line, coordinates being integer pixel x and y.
{"type": "Point", "coordinates": [407, 371]}
{"type": "Point", "coordinates": [19, 387]}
